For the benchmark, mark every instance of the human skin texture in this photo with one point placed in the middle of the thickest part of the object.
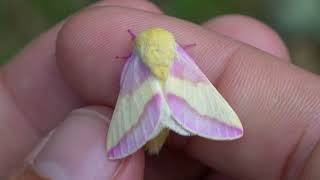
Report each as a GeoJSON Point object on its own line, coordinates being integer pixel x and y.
{"type": "Point", "coordinates": [73, 65]}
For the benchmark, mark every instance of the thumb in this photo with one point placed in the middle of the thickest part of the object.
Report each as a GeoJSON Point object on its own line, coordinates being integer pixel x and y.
{"type": "Point", "coordinates": [76, 150]}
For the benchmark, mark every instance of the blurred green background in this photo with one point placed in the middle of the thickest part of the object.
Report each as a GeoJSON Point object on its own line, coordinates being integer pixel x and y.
{"type": "Point", "coordinates": [295, 20]}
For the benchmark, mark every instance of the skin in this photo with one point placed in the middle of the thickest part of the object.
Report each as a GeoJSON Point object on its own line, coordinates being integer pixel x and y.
{"type": "Point", "coordinates": [73, 65]}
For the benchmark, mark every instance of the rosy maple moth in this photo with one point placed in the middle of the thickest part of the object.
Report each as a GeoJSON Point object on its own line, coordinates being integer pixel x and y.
{"type": "Point", "coordinates": [162, 89]}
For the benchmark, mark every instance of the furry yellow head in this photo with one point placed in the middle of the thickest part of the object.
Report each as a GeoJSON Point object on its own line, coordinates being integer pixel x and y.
{"type": "Point", "coordinates": [157, 49]}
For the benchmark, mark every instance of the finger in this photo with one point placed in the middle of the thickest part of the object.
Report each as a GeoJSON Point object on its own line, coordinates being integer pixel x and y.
{"type": "Point", "coordinates": [135, 4]}
{"type": "Point", "coordinates": [171, 164]}
{"type": "Point", "coordinates": [250, 31]}
{"type": "Point", "coordinates": [277, 102]}
{"type": "Point", "coordinates": [31, 90]}
{"type": "Point", "coordinates": [34, 96]}
{"type": "Point", "coordinates": [76, 150]}
{"type": "Point", "coordinates": [214, 176]}
{"type": "Point", "coordinates": [311, 170]}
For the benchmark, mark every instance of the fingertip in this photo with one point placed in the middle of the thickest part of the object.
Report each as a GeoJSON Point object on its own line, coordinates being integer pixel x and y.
{"type": "Point", "coordinates": [217, 176]}
{"type": "Point", "coordinates": [76, 150]}
{"type": "Point", "coordinates": [81, 37]}
{"type": "Point", "coordinates": [131, 167]}
{"type": "Point", "coordinates": [143, 5]}
{"type": "Point", "coordinates": [250, 31]}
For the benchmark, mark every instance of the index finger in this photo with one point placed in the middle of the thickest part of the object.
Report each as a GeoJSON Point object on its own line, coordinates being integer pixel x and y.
{"type": "Point", "coordinates": [275, 100]}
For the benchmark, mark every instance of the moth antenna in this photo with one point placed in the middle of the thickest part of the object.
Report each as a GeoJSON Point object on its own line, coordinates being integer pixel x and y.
{"type": "Point", "coordinates": [133, 36]}
{"type": "Point", "coordinates": [123, 57]}
{"type": "Point", "coordinates": [187, 46]}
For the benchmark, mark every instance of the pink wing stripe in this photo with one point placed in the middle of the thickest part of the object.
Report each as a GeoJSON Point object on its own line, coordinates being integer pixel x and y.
{"type": "Point", "coordinates": [184, 68]}
{"type": "Point", "coordinates": [139, 134]}
{"type": "Point", "coordinates": [199, 124]}
{"type": "Point", "coordinates": [134, 73]}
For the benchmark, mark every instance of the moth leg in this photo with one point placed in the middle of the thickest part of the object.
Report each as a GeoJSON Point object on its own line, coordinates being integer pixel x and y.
{"type": "Point", "coordinates": [154, 145]}
{"type": "Point", "coordinates": [123, 57]}
{"type": "Point", "coordinates": [133, 36]}
{"type": "Point", "coordinates": [187, 46]}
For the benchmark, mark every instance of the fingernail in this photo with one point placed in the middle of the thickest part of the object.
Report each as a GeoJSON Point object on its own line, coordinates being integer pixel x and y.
{"type": "Point", "coordinates": [77, 150]}
{"type": "Point", "coordinates": [121, 167]}
{"type": "Point", "coordinates": [94, 111]}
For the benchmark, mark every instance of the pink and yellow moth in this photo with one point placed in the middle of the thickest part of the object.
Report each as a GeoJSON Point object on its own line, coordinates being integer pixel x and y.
{"type": "Point", "coordinates": [162, 89]}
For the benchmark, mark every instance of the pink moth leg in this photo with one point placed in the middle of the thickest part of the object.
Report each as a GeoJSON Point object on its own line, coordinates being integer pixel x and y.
{"type": "Point", "coordinates": [187, 46]}
{"type": "Point", "coordinates": [133, 36]}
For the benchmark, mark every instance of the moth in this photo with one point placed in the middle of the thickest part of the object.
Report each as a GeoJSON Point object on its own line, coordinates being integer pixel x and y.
{"type": "Point", "coordinates": [162, 89]}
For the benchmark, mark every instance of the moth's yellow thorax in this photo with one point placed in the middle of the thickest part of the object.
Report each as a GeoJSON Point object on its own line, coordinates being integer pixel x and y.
{"type": "Point", "coordinates": [157, 49]}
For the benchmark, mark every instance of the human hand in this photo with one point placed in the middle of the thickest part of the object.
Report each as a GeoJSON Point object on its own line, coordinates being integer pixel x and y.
{"type": "Point", "coordinates": [73, 65]}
